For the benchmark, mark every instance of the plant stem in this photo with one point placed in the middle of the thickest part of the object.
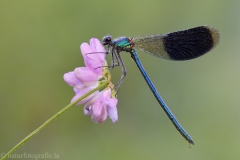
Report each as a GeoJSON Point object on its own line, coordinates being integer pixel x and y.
{"type": "Point", "coordinates": [100, 87]}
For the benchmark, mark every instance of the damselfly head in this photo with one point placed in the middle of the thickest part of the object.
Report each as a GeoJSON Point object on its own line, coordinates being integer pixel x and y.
{"type": "Point", "coordinates": [107, 40]}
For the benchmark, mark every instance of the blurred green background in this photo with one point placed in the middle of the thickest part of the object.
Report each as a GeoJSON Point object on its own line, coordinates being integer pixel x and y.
{"type": "Point", "coordinates": [39, 42]}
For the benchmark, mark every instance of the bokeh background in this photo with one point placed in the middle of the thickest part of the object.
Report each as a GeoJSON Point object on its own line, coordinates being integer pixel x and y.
{"type": "Point", "coordinates": [39, 42]}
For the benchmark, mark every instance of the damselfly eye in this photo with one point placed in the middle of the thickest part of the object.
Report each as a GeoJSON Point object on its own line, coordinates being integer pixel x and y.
{"type": "Point", "coordinates": [107, 39]}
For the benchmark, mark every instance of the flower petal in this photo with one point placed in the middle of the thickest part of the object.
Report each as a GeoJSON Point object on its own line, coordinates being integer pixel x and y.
{"type": "Point", "coordinates": [97, 106]}
{"type": "Point", "coordinates": [71, 79]}
{"type": "Point", "coordinates": [86, 49]}
{"type": "Point", "coordinates": [94, 55]}
{"type": "Point", "coordinates": [86, 76]}
{"type": "Point", "coordinates": [106, 97]}
{"type": "Point", "coordinates": [102, 117]}
{"type": "Point", "coordinates": [106, 94]}
{"type": "Point", "coordinates": [97, 45]}
{"type": "Point", "coordinates": [87, 110]}
{"type": "Point", "coordinates": [88, 106]}
{"type": "Point", "coordinates": [80, 93]}
{"type": "Point", "coordinates": [111, 105]}
{"type": "Point", "coordinates": [95, 64]}
{"type": "Point", "coordinates": [112, 112]}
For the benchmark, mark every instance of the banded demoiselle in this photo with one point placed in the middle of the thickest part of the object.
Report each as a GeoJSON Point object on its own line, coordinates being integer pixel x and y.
{"type": "Point", "coordinates": [181, 45]}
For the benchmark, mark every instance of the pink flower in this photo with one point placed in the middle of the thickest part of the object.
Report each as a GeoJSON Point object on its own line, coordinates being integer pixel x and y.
{"type": "Point", "coordinates": [83, 79]}
{"type": "Point", "coordinates": [101, 106]}
{"type": "Point", "coordinates": [97, 57]}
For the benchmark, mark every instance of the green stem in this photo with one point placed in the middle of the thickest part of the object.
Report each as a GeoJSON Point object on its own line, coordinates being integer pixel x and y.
{"type": "Point", "coordinates": [100, 87]}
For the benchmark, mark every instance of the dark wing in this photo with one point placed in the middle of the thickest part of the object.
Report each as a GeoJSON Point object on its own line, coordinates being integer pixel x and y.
{"type": "Point", "coordinates": [181, 45]}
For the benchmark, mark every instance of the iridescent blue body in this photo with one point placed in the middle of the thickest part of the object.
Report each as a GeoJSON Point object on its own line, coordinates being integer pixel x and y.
{"type": "Point", "coordinates": [181, 45]}
{"type": "Point", "coordinates": [122, 44]}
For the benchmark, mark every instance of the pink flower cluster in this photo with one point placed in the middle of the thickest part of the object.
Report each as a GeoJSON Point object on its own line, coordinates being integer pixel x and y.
{"type": "Point", "coordinates": [83, 79]}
